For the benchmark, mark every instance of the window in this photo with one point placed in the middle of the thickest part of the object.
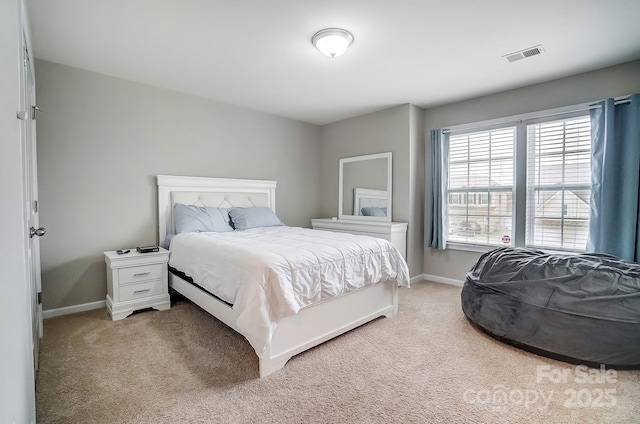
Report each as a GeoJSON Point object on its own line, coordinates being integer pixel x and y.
{"type": "Point", "coordinates": [559, 183]}
{"type": "Point", "coordinates": [481, 176]}
{"type": "Point", "coordinates": [485, 177]}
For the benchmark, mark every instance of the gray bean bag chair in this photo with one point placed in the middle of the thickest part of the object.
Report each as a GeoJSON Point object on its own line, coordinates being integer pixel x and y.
{"type": "Point", "coordinates": [583, 309]}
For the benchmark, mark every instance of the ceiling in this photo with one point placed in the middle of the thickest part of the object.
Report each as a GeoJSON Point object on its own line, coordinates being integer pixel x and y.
{"type": "Point", "coordinates": [258, 54]}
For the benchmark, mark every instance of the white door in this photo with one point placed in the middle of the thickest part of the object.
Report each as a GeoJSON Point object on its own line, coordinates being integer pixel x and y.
{"type": "Point", "coordinates": [30, 184]}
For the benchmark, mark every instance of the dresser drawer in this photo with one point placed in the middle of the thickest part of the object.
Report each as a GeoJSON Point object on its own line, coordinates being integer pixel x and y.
{"type": "Point", "coordinates": [139, 273]}
{"type": "Point", "coordinates": [140, 290]}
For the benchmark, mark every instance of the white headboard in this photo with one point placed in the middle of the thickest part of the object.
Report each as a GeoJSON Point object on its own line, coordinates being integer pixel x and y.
{"type": "Point", "coordinates": [212, 192]}
{"type": "Point", "coordinates": [366, 197]}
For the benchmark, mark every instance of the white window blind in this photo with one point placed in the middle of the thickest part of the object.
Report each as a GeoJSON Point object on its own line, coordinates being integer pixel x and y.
{"type": "Point", "coordinates": [481, 179]}
{"type": "Point", "coordinates": [558, 183]}
{"type": "Point", "coordinates": [543, 162]}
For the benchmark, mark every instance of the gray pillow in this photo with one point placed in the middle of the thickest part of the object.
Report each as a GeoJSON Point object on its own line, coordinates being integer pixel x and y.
{"type": "Point", "coordinates": [167, 241]}
{"type": "Point", "coordinates": [245, 218]}
{"type": "Point", "coordinates": [373, 211]}
{"type": "Point", "coordinates": [189, 219]}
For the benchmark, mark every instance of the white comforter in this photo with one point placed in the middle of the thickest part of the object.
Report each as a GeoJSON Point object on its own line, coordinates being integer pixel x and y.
{"type": "Point", "coordinates": [270, 273]}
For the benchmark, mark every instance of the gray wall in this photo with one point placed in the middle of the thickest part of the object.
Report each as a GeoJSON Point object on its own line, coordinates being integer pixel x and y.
{"type": "Point", "coordinates": [609, 82]}
{"type": "Point", "coordinates": [415, 234]}
{"type": "Point", "coordinates": [390, 130]}
{"type": "Point", "coordinates": [102, 140]}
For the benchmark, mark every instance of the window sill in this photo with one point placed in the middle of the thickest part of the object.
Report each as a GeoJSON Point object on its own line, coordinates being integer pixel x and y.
{"type": "Point", "coordinates": [484, 248]}
{"type": "Point", "coordinates": [478, 248]}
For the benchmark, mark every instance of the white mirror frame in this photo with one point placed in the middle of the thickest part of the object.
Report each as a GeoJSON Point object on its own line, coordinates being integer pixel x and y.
{"type": "Point", "coordinates": [344, 161]}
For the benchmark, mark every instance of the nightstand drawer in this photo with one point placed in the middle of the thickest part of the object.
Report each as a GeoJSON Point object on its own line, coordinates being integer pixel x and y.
{"type": "Point", "coordinates": [140, 290]}
{"type": "Point", "coordinates": [139, 273]}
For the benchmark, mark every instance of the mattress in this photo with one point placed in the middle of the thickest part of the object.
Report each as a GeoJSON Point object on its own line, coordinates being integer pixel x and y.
{"type": "Point", "coordinates": [269, 273]}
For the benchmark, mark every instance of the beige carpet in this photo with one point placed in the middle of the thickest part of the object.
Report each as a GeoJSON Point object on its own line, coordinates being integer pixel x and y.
{"type": "Point", "coordinates": [426, 365]}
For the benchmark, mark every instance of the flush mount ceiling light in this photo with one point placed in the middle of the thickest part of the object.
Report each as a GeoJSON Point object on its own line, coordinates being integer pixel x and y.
{"type": "Point", "coordinates": [332, 41]}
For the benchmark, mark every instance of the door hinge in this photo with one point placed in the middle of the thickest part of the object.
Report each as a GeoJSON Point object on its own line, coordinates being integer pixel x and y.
{"type": "Point", "coordinates": [39, 298]}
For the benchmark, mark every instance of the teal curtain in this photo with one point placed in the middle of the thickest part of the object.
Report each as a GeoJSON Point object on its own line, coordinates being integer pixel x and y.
{"type": "Point", "coordinates": [436, 186]}
{"type": "Point", "coordinates": [615, 179]}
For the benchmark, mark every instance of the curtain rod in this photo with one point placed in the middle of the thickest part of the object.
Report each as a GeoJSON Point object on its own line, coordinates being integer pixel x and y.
{"type": "Point", "coordinates": [616, 101]}
{"type": "Point", "coordinates": [534, 115]}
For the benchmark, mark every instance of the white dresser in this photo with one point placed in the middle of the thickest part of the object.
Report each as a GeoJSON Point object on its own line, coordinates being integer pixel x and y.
{"type": "Point", "coordinates": [136, 281]}
{"type": "Point", "coordinates": [395, 232]}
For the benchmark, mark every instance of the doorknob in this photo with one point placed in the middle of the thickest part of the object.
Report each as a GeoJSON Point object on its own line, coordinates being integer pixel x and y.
{"type": "Point", "coordinates": [37, 232]}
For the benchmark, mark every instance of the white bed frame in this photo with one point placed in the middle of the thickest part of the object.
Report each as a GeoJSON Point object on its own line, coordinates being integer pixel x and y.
{"type": "Point", "coordinates": [313, 324]}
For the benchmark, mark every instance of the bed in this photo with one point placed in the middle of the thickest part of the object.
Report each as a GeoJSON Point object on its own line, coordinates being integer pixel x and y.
{"type": "Point", "coordinates": [312, 324]}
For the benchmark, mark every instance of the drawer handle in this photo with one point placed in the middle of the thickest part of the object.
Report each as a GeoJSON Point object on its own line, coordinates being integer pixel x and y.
{"type": "Point", "coordinates": [141, 274]}
{"type": "Point", "coordinates": [141, 291]}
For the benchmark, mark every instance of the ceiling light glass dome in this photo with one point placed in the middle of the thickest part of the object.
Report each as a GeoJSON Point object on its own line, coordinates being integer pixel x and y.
{"type": "Point", "coordinates": [332, 42]}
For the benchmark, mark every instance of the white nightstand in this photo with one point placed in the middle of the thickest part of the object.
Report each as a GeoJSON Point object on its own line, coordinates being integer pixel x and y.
{"type": "Point", "coordinates": [136, 281]}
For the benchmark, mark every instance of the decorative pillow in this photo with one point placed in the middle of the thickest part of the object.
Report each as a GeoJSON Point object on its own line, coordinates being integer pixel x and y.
{"type": "Point", "coordinates": [188, 218]}
{"type": "Point", "coordinates": [373, 211]}
{"type": "Point", "coordinates": [245, 218]}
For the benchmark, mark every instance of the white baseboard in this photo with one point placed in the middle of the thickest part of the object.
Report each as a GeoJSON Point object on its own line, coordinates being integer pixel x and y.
{"type": "Point", "coordinates": [417, 279]}
{"type": "Point", "coordinates": [51, 313]}
{"type": "Point", "coordinates": [438, 279]}
{"type": "Point", "coordinates": [67, 310]}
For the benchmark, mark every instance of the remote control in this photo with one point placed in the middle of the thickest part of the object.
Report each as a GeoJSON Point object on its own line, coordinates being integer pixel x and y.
{"type": "Point", "coordinates": [122, 252]}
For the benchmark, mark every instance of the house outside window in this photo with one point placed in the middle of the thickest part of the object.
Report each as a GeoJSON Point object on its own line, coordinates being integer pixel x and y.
{"type": "Point", "coordinates": [521, 184]}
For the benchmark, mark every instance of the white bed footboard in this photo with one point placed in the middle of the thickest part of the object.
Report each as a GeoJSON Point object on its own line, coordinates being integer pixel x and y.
{"type": "Point", "coordinates": [311, 326]}
{"type": "Point", "coordinates": [317, 323]}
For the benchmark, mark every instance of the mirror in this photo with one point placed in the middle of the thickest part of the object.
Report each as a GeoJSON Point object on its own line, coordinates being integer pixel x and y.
{"type": "Point", "coordinates": [365, 188]}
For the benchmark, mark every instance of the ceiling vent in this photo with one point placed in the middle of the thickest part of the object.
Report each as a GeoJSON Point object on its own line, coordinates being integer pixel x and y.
{"type": "Point", "coordinates": [522, 54]}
